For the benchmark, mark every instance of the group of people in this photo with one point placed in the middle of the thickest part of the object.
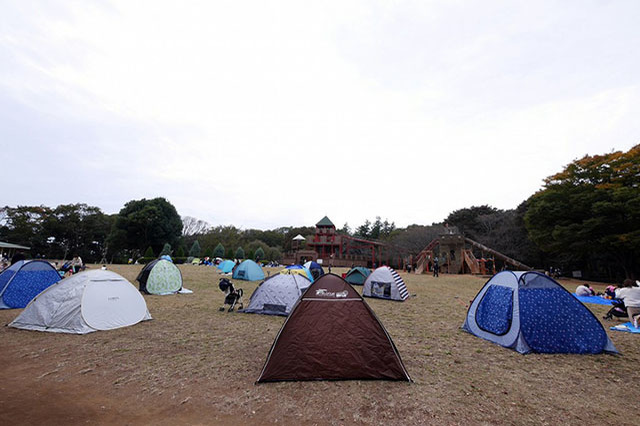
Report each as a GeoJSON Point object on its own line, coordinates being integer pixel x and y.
{"type": "Point", "coordinates": [626, 294]}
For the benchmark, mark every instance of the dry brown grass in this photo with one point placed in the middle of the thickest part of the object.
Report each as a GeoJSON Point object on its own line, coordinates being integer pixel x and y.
{"type": "Point", "coordinates": [195, 365]}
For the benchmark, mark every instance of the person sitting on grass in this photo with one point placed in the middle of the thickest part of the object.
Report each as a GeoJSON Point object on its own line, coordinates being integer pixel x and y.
{"type": "Point", "coordinates": [585, 290]}
{"type": "Point", "coordinates": [630, 294]}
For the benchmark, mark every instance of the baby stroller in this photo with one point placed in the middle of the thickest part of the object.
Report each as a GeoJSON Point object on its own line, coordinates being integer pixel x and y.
{"type": "Point", "coordinates": [619, 310]}
{"type": "Point", "coordinates": [232, 297]}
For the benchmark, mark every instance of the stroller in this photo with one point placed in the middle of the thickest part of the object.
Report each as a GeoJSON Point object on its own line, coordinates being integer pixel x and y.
{"type": "Point", "coordinates": [619, 310]}
{"type": "Point", "coordinates": [233, 295]}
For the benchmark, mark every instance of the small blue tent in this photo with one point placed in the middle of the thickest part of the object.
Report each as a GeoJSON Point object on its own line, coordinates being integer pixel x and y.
{"type": "Point", "coordinates": [226, 266]}
{"type": "Point", "coordinates": [530, 312]}
{"type": "Point", "coordinates": [315, 268]}
{"type": "Point", "coordinates": [248, 271]}
{"type": "Point", "coordinates": [357, 275]}
{"type": "Point", "coordinates": [23, 281]}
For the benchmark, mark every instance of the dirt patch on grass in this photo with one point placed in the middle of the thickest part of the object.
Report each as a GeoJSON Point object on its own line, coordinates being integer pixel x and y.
{"type": "Point", "coordinates": [195, 365]}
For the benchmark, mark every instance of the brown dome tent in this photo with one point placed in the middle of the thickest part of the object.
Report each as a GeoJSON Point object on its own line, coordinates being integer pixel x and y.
{"type": "Point", "coordinates": [332, 334]}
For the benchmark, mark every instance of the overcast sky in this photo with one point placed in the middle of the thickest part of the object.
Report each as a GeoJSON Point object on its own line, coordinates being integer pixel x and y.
{"type": "Point", "coordinates": [274, 113]}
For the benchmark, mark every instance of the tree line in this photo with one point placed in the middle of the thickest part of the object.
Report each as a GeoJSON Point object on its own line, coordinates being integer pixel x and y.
{"type": "Point", "coordinates": [586, 217]}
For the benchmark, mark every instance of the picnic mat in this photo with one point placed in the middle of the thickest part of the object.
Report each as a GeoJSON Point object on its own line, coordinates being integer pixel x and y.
{"type": "Point", "coordinates": [597, 300]}
{"type": "Point", "coordinates": [627, 326]}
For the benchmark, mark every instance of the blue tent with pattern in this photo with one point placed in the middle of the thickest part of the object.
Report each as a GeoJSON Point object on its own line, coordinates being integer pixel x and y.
{"type": "Point", "coordinates": [24, 280]}
{"type": "Point", "coordinates": [530, 312]}
{"type": "Point", "coordinates": [248, 271]}
{"type": "Point", "coordinates": [226, 266]}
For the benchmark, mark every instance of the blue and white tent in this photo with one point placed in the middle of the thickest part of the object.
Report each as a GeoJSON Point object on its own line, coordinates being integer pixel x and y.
{"type": "Point", "coordinates": [248, 271]}
{"type": "Point", "coordinates": [315, 269]}
{"type": "Point", "coordinates": [385, 283]}
{"type": "Point", "coordinates": [530, 312]}
{"type": "Point", "coordinates": [24, 280]}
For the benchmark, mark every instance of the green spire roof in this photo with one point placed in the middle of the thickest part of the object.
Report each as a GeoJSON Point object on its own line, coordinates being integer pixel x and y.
{"type": "Point", "coordinates": [325, 222]}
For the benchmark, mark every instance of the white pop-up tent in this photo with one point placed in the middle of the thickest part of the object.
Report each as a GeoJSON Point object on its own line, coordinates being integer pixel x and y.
{"type": "Point", "coordinates": [83, 303]}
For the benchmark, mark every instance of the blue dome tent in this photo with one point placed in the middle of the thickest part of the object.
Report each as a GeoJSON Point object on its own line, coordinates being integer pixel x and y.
{"type": "Point", "coordinates": [226, 266]}
{"type": "Point", "coordinates": [248, 271]}
{"type": "Point", "coordinates": [24, 280]}
{"type": "Point", "coordinates": [315, 268]}
{"type": "Point", "coordinates": [357, 275]}
{"type": "Point", "coordinates": [530, 312]}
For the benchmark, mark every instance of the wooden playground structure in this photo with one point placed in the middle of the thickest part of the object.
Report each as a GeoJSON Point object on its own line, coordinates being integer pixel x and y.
{"type": "Point", "coordinates": [454, 253]}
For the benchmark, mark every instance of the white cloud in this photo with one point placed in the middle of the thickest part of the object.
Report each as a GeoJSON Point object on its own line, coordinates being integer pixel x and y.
{"type": "Point", "coordinates": [275, 113]}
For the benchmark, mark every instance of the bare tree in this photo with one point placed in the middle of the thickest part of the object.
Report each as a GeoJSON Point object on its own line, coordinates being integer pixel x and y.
{"type": "Point", "coordinates": [193, 226]}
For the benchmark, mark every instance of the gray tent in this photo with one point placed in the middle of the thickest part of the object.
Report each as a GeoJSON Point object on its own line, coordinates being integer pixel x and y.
{"type": "Point", "coordinates": [277, 295]}
{"type": "Point", "coordinates": [84, 303]}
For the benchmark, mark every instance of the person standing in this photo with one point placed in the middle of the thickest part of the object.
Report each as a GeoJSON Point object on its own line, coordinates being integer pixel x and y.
{"type": "Point", "coordinates": [436, 267]}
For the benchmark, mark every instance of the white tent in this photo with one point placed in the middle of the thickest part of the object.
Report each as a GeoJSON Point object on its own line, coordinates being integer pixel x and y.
{"type": "Point", "coordinates": [83, 303]}
{"type": "Point", "coordinates": [385, 283]}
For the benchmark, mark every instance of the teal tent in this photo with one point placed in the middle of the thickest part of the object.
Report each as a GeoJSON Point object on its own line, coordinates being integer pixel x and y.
{"type": "Point", "coordinates": [248, 271]}
{"type": "Point", "coordinates": [357, 275]}
{"type": "Point", "coordinates": [226, 266]}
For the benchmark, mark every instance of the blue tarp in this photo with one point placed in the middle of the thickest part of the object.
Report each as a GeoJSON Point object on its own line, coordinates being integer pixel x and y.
{"type": "Point", "coordinates": [626, 327]}
{"type": "Point", "coordinates": [596, 300]}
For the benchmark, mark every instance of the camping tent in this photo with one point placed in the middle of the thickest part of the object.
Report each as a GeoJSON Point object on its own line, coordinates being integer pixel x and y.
{"type": "Point", "coordinates": [277, 295]}
{"type": "Point", "coordinates": [195, 261]}
{"type": "Point", "coordinates": [248, 271]}
{"type": "Point", "coordinates": [83, 303]}
{"type": "Point", "coordinates": [530, 312]}
{"type": "Point", "coordinates": [315, 268]}
{"type": "Point", "coordinates": [160, 277]}
{"type": "Point", "coordinates": [357, 275]}
{"type": "Point", "coordinates": [332, 334]}
{"type": "Point", "coordinates": [226, 266]}
{"type": "Point", "coordinates": [385, 283]}
{"type": "Point", "coordinates": [23, 281]}
{"type": "Point", "coordinates": [298, 269]}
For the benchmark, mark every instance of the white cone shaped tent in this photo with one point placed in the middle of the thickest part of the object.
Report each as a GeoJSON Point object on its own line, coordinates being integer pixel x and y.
{"type": "Point", "coordinates": [84, 303]}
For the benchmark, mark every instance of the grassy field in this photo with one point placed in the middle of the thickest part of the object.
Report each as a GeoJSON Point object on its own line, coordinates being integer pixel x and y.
{"type": "Point", "coordinates": [195, 365]}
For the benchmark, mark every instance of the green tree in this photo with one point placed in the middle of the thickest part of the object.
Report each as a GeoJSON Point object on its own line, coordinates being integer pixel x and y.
{"type": "Point", "coordinates": [208, 252]}
{"type": "Point", "coordinates": [259, 254]}
{"type": "Point", "coordinates": [166, 250]}
{"type": "Point", "coordinates": [180, 252]}
{"type": "Point", "coordinates": [194, 251]}
{"type": "Point", "coordinates": [363, 230]}
{"type": "Point", "coordinates": [273, 253]}
{"type": "Point", "coordinates": [240, 253]}
{"type": "Point", "coordinates": [149, 252]}
{"type": "Point", "coordinates": [218, 251]}
{"type": "Point", "coordinates": [588, 215]}
{"type": "Point", "coordinates": [229, 253]}
{"type": "Point", "coordinates": [466, 220]}
{"type": "Point", "coordinates": [143, 223]}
